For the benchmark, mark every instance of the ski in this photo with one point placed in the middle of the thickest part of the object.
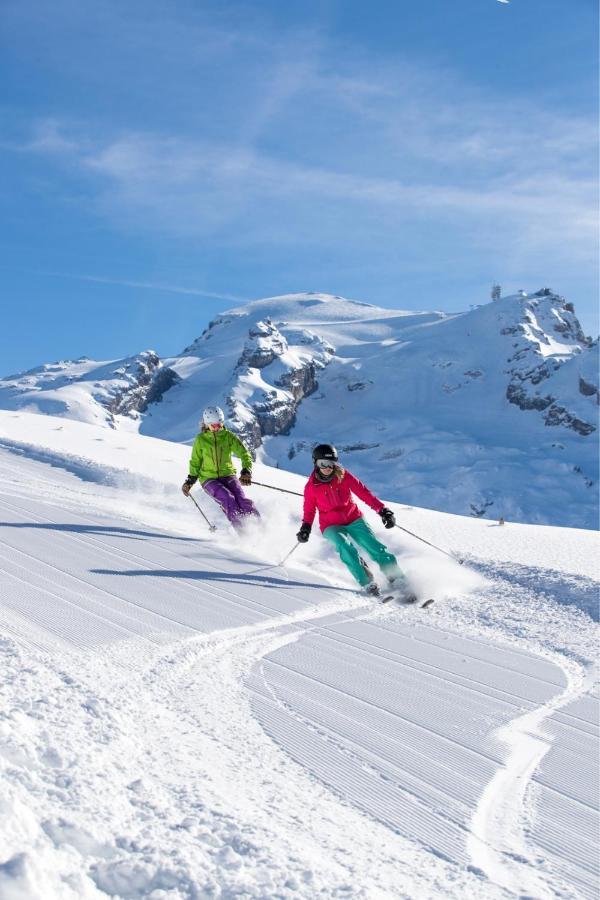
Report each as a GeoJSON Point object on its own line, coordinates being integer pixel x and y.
{"type": "Point", "coordinates": [408, 600]}
{"type": "Point", "coordinates": [404, 597]}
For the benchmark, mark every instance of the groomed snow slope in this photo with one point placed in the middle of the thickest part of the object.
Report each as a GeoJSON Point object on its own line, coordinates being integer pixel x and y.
{"type": "Point", "coordinates": [182, 718]}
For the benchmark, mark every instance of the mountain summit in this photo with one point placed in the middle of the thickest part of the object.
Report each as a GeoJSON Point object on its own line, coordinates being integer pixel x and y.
{"type": "Point", "coordinates": [489, 412]}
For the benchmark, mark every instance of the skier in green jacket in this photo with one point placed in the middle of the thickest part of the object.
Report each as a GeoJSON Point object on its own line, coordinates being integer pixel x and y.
{"type": "Point", "coordinates": [211, 463]}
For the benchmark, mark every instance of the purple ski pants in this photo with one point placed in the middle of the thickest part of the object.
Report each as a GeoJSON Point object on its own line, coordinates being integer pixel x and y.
{"type": "Point", "coordinates": [228, 493]}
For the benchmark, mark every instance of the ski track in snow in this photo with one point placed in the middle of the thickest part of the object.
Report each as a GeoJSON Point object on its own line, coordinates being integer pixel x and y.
{"type": "Point", "coordinates": [397, 730]}
{"type": "Point", "coordinates": [497, 843]}
{"type": "Point", "coordinates": [454, 812]}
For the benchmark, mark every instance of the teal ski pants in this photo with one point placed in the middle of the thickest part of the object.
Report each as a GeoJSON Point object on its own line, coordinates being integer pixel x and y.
{"type": "Point", "coordinates": [345, 537]}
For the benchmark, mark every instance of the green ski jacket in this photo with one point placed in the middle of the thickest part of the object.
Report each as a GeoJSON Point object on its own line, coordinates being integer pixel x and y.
{"type": "Point", "coordinates": [212, 452]}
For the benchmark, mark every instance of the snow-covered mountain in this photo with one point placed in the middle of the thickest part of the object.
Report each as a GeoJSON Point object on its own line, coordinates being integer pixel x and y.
{"type": "Point", "coordinates": [99, 393]}
{"type": "Point", "coordinates": [489, 412]}
{"type": "Point", "coordinates": [183, 717]}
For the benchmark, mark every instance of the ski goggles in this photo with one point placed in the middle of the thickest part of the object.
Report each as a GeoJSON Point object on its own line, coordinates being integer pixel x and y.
{"type": "Point", "coordinates": [324, 464]}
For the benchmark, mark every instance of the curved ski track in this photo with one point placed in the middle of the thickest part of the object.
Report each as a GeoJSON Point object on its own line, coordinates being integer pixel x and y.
{"type": "Point", "coordinates": [434, 745]}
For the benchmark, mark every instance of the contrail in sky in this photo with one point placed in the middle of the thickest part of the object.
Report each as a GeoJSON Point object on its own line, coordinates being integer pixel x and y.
{"type": "Point", "coordinates": [150, 286]}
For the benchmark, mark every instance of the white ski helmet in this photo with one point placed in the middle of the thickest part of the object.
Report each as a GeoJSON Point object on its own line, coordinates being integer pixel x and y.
{"type": "Point", "coordinates": [213, 415]}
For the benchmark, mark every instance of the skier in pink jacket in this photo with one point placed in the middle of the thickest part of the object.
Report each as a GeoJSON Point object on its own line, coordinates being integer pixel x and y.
{"type": "Point", "coordinates": [329, 490]}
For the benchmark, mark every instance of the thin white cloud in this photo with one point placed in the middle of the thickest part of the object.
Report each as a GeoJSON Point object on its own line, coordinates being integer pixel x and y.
{"type": "Point", "coordinates": [197, 190]}
{"type": "Point", "coordinates": [363, 153]}
{"type": "Point", "coordinates": [49, 137]}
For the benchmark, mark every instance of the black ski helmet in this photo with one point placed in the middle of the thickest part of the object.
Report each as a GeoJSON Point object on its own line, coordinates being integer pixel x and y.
{"type": "Point", "coordinates": [324, 451]}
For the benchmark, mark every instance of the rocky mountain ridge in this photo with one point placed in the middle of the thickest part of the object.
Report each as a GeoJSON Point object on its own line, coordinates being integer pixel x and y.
{"type": "Point", "coordinates": [88, 390]}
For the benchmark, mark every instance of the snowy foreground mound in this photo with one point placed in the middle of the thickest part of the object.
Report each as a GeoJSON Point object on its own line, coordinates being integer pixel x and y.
{"type": "Point", "coordinates": [491, 412]}
{"type": "Point", "coordinates": [182, 717]}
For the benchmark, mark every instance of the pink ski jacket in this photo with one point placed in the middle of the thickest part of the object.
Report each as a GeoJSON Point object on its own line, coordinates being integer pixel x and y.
{"type": "Point", "coordinates": [334, 500]}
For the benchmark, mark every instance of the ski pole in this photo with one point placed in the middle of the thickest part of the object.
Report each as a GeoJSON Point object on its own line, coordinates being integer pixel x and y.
{"type": "Point", "coordinates": [429, 544]}
{"type": "Point", "coordinates": [210, 525]}
{"type": "Point", "coordinates": [296, 494]}
{"type": "Point", "coordinates": [283, 490]}
{"type": "Point", "coordinates": [289, 554]}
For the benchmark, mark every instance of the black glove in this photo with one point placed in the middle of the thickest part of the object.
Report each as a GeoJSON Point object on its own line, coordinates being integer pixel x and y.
{"type": "Point", "coordinates": [246, 477]}
{"type": "Point", "coordinates": [304, 533]}
{"type": "Point", "coordinates": [387, 517]}
{"type": "Point", "coordinates": [187, 484]}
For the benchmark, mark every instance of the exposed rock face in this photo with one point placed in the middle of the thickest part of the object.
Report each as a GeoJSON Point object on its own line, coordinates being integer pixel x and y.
{"type": "Point", "coordinates": [358, 385]}
{"type": "Point", "coordinates": [359, 445]}
{"type": "Point", "coordinates": [275, 416]}
{"type": "Point", "coordinates": [480, 508]}
{"type": "Point", "coordinates": [265, 344]}
{"type": "Point", "coordinates": [248, 427]}
{"type": "Point", "coordinates": [558, 415]}
{"type": "Point", "coordinates": [274, 373]}
{"type": "Point", "coordinates": [545, 314]}
{"type": "Point", "coordinates": [148, 382]}
{"type": "Point", "coordinates": [164, 379]}
{"type": "Point", "coordinates": [299, 382]}
{"type": "Point", "coordinates": [588, 390]}
{"type": "Point", "coordinates": [211, 330]}
{"type": "Point", "coordinates": [518, 395]}
{"type": "Point", "coordinates": [91, 391]}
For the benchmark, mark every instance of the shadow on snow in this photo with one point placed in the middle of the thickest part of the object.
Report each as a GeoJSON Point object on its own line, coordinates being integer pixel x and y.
{"type": "Point", "coordinates": [113, 530]}
{"type": "Point", "coordinates": [235, 578]}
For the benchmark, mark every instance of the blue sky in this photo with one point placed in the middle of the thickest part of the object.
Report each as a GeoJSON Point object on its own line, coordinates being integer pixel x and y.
{"type": "Point", "coordinates": [164, 161]}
